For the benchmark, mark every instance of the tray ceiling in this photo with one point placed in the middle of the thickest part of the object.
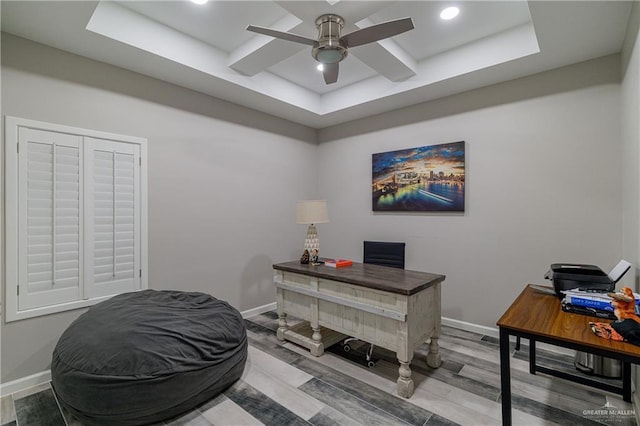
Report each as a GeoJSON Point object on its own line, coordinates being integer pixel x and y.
{"type": "Point", "coordinates": [207, 48]}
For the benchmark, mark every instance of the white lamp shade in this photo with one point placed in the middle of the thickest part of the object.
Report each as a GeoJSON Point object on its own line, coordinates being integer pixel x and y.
{"type": "Point", "coordinates": [312, 211]}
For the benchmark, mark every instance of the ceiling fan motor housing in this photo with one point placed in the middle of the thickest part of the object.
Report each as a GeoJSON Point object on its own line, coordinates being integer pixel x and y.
{"type": "Point", "coordinates": [330, 49]}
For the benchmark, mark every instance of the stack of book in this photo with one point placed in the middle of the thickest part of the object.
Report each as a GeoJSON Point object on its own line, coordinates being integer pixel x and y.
{"type": "Point", "coordinates": [338, 263]}
{"type": "Point", "coordinates": [591, 303]}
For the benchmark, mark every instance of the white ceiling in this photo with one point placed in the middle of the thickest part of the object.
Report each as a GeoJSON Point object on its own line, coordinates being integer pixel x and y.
{"type": "Point", "coordinates": [206, 48]}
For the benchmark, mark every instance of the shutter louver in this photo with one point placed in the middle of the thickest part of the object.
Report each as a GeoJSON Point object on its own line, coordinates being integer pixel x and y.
{"type": "Point", "coordinates": [114, 217]}
{"type": "Point", "coordinates": [50, 229]}
{"type": "Point", "coordinates": [75, 217]}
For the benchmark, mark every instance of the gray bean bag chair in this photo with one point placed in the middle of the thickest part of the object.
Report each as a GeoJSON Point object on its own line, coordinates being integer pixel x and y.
{"type": "Point", "coordinates": [144, 357]}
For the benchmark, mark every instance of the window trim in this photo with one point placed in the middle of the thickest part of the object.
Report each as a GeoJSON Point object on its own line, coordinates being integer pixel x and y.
{"type": "Point", "coordinates": [11, 211]}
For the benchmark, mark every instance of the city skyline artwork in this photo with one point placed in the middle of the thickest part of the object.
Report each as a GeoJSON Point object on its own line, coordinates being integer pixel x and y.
{"type": "Point", "coordinates": [422, 179]}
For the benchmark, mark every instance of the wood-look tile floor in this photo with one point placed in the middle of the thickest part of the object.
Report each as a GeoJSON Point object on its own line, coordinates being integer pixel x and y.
{"type": "Point", "coordinates": [284, 385]}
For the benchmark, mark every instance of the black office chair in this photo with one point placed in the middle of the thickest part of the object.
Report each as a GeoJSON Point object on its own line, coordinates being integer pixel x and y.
{"type": "Point", "coordinates": [385, 254]}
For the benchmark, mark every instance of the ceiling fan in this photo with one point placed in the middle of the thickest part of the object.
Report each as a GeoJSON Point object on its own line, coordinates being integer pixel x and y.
{"type": "Point", "coordinates": [330, 48]}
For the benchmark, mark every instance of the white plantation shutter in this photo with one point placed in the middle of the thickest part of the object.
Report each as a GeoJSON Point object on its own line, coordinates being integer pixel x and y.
{"type": "Point", "coordinates": [113, 217]}
{"type": "Point", "coordinates": [76, 217]}
{"type": "Point", "coordinates": [50, 233]}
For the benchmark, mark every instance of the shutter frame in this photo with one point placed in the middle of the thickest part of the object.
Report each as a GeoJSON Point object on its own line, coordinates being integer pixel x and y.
{"type": "Point", "coordinates": [14, 198]}
{"type": "Point", "coordinates": [37, 155]}
{"type": "Point", "coordinates": [97, 155]}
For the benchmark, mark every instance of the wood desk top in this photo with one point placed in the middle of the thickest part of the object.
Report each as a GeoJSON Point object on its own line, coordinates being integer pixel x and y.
{"type": "Point", "coordinates": [541, 314]}
{"type": "Point", "coordinates": [385, 278]}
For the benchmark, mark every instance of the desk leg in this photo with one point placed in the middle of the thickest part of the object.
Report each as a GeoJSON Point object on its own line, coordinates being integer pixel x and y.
{"type": "Point", "coordinates": [282, 317]}
{"type": "Point", "coordinates": [433, 357]}
{"type": "Point", "coordinates": [505, 377]}
{"type": "Point", "coordinates": [626, 381]}
{"type": "Point", "coordinates": [532, 356]}
{"type": "Point", "coordinates": [405, 383]}
{"type": "Point", "coordinates": [317, 347]}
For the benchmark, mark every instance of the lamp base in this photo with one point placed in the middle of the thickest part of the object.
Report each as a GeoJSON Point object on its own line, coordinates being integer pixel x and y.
{"type": "Point", "coordinates": [312, 244]}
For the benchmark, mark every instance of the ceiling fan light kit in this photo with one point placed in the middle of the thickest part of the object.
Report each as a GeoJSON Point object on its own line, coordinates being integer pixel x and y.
{"type": "Point", "coordinates": [330, 48]}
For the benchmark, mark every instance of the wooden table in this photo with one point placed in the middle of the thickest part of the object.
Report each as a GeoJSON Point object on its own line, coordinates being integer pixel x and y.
{"type": "Point", "coordinates": [393, 308]}
{"type": "Point", "coordinates": [538, 316]}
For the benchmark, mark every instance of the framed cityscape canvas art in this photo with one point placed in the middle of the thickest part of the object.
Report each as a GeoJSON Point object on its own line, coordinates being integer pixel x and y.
{"type": "Point", "coordinates": [424, 179]}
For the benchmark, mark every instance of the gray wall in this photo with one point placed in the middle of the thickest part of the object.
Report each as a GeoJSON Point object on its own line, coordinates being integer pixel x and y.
{"type": "Point", "coordinates": [631, 150]}
{"type": "Point", "coordinates": [223, 181]}
{"type": "Point", "coordinates": [544, 155]}
{"type": "Point", "coordinates": [543, 158]}
{"type": "Point", "coordinates": [630, 93]}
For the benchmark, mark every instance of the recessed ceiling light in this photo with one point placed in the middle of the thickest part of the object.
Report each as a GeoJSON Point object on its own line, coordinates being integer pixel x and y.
{"type": "Point", "coordinates": [199, 1]}
{"type": "Point", "coordinates": [320, 67]}
{"type": "Point", "coordinates": [449, 13]}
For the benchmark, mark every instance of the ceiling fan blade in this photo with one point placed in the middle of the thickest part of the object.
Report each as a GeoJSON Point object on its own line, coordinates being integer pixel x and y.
{"type": "Point", "coordinates": [330, 73]}
{"type": "Point", "coordinates": [377, 32]}
{"type": "Point", "coordinates": [281, 35]}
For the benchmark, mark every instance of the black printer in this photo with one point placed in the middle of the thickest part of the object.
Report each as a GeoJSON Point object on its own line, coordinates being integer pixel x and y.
{"type": "Point", "coordinates": [568, 276]}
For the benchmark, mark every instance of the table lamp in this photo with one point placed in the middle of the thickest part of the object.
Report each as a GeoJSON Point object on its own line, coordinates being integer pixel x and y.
{"type": "Point", "coordinates": [311, 212]}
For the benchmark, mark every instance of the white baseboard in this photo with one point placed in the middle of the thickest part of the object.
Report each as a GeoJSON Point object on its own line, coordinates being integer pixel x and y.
{"type": "Point", "coordinates": [24, 383]}
{"type": "Point", "coordinates": [494, 332]}
{"type": "Point", "coordinates": [45, 376]}
{"type": "Point", "coordinates": [259, 310]}
{"type": "Point", "coordinates": [474, 328]}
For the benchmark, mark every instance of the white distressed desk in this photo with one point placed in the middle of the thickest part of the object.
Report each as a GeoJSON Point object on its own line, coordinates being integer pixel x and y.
{"type": "Point", "coordinates": [396, 309]}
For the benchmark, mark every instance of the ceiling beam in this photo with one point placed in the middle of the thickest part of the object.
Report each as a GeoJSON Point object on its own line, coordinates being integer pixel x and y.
{"type": "Point", "coordinates": [262, 52]}
{"type": "Point", "coordinates": [386, 57]}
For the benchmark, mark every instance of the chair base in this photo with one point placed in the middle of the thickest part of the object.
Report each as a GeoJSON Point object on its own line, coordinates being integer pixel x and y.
{"type": "Point", "coordinates": [346, 347]}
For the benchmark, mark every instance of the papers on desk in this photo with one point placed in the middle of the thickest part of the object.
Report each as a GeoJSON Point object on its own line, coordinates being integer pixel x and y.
{"type": "Point", "coordinates": [591, 303]}
{"type": "Point", "coordinates": [619, 270]}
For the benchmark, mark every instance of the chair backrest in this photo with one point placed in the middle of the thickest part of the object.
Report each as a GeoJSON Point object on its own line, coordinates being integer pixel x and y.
{"type": "Point", "coordinates": [384, 253]}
